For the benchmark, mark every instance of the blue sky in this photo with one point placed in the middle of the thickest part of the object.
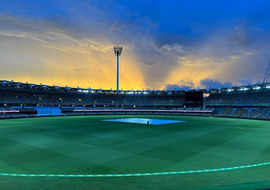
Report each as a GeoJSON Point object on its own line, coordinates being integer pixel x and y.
{"type": "Point", "coordinates": [166, 42]}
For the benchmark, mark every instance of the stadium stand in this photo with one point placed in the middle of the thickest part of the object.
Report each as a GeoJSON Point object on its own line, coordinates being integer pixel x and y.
{"type": "Point", "coordinates": [44, 100]}
{"type": "Point", "coordinates": [251, 102]}
{"type": "Point", "coordinates": [24, 100]}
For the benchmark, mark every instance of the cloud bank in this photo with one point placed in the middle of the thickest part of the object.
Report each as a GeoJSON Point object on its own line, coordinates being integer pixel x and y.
{"type": "Point", "coordinates": [70, 43]}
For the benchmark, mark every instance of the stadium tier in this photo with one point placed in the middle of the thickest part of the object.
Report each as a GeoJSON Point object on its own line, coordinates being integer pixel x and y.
{"type": "Point", "coordinates": [243, 102]}
{"type": "Point", "coordinates": [54, 100]}
{"type": "Point", "coordinates": [22, 99]}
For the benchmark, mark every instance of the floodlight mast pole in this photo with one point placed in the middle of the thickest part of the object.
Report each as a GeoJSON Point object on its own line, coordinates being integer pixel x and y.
{"type": "Point", "coordinates": [117, 80]}
{"type": "Point", "coordinates": [117, 52]}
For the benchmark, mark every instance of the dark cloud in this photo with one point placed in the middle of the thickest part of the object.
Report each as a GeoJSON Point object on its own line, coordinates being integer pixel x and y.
{"type": "Point", "coordinates": [210, 83]}
{"type": "Point", "coordinates": [245, 82]}
{"type": "Point", "coordinates": [182, 85]}
{"type": "Point", "coordinates": [156, 33]}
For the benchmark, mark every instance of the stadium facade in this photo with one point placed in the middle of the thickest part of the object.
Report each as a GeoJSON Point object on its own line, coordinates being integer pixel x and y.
{"type": "Point", "coordinates": [23, 100]}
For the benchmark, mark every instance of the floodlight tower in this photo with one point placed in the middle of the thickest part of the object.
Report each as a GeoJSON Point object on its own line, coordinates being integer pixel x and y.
{"type": "Point", "coordinates": [117, 52]}
{"type": "Point", "coordinates": [267, 73]}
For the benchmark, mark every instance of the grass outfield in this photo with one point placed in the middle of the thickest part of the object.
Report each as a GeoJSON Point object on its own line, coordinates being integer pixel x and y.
{"type": "Point", "coordinates": [89, 145]}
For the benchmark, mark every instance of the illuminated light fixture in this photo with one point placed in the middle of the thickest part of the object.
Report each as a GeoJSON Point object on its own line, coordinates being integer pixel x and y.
{"type": "Point", "coordinates": [229, 90]}
{"type": "Point", "coordinates": [83, 91]}
{"type": "Point", "coordinates": [244, 89]}
{"type": "Point", "coordinates": [256, 88]}
{"type": "Point", "coordinates": [267, 86]}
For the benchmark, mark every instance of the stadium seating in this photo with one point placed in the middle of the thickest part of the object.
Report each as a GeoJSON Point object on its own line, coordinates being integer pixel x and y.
{"type": "Point", "coordinates": [22, 99]}
{"type": "Point", "coordinates": [21, 95]}
{"type": "Point", "coordinates": [44, 100]}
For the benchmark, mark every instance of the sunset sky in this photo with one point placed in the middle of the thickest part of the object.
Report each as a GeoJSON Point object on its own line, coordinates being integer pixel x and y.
{"type": "Point", "coordinates": [167, 43]}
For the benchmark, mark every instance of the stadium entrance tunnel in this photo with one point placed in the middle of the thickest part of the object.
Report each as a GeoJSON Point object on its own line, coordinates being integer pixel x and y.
{"type": "Point", "coordinates": [48, 111]}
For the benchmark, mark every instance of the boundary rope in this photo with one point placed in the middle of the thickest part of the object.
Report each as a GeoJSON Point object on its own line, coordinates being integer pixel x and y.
{"type": "Point", "coordinates": [138, 174]}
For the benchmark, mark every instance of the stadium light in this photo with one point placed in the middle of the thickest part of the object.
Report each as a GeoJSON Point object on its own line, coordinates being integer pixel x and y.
{"type": "Point", "coordinates": [257, 88]}
{"type": "Point", "coordinates": [117, 51]}
{"type": "Point", "coordinates": [244, 89]}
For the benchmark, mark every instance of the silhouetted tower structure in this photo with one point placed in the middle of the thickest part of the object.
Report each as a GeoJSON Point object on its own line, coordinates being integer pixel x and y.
{"type": "Point", "coordinates": [117, 52]}
{"type": "Point", "coordinates": [267, 73]}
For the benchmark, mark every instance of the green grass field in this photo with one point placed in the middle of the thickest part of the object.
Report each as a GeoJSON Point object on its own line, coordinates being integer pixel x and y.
{"type": "Point", "coordinates": [89, 145]}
